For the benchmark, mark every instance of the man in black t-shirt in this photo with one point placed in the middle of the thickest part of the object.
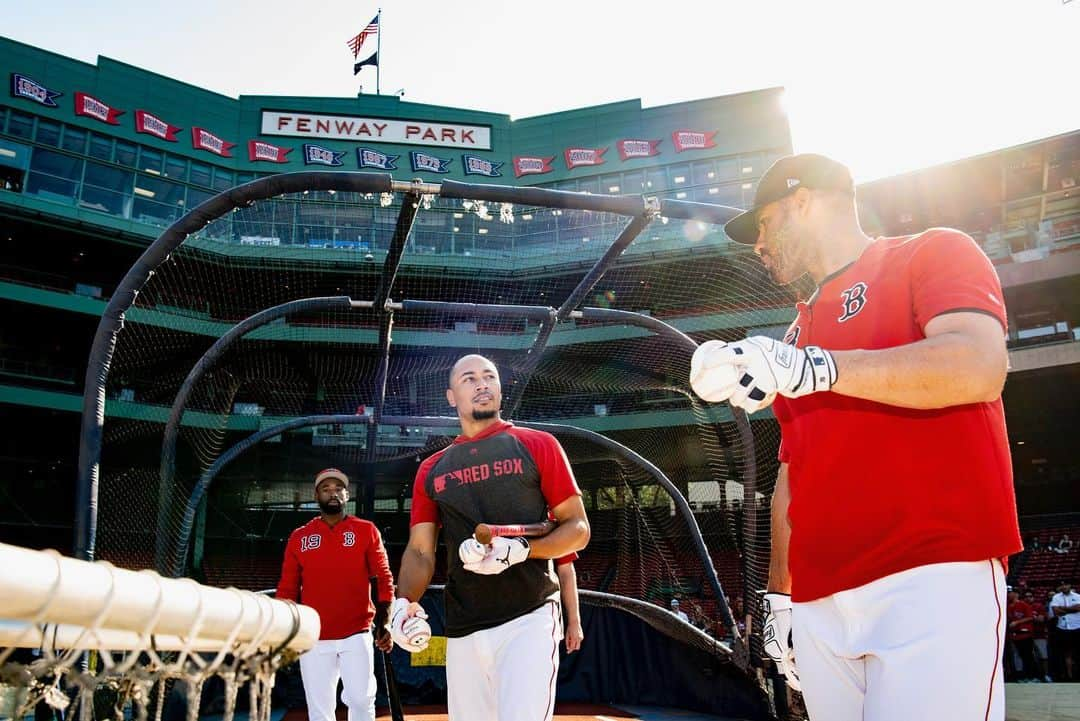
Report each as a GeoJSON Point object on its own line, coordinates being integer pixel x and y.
{"type": "Point", "coordinates": [502, 600]}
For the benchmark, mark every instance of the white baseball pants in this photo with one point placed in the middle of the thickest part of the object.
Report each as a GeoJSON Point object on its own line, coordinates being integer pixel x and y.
{"type": "Point", "coordinates": [350, 659]}
{"type": "Point", "coordinates": [925, 643]}
{"type": "Point", "coordinates": [506, 673]}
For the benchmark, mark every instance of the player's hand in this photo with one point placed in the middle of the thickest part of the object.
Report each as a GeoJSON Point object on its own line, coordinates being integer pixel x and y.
{"type": "Point", "coordinates": [574, 636]}
{"type": "Point", "coordinates": [502, 553]}
{"type": "Point", "coordinates": [776, 636]}
{"type": "Point", "coordinates": [765, 367]}
{"type": "Point", "coordinates": [408, 625]}
{"type": "Point", "coordinates": [381, 627]}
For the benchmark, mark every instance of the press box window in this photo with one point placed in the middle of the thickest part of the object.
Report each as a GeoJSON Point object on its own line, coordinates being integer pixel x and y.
{"type": "Point", "coordinates": [48, 133]}
{"type": "Point", "coordinates": [20, 125]}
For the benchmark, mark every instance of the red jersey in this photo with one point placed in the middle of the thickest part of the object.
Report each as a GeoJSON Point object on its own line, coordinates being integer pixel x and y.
{"type": "Point", "coordinates": [878, 489]}
{"type": "Point", "coordinates": [1038, 612]}
{"type": "Point", "coordinates": [1019, 610]}
{"type": "Point", "coordinates": [328, 569]}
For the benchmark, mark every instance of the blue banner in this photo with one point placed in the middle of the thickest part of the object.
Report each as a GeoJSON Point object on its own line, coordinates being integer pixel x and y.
{"type": "Point", "coordinates": [318, 155]}
{"type": "Point", "coordinates": [368, 158]}
{"type": "Point", "coordinates": [24, 87]}
{"type": "Point", "coordinates": [429, 163]}
{"type": "Point", "coordinates": [479, 166]}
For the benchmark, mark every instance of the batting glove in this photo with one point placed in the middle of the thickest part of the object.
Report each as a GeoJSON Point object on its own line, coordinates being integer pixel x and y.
{"type": "Point", "coordinates": [408, 625]}
{"type": "Point", "coordinates": [777, 636]}
{"type": "Point", "coordinates": [502, 553]}
{"type": "Point", "coordinates": [763, 368]}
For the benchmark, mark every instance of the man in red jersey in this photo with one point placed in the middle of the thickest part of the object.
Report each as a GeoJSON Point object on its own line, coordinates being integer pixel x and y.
{"type": "Point", "coordinates": [502, 600]}
{"type": "Point", "coordinates": [894, 500]}
{"type": "Point", "coordinates": [1020, 633]}
{"type": "Point", "coordinates": [328, 563]}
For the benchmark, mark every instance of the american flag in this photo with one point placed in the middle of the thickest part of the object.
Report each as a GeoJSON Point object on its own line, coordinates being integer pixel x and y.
{"type": "Point", "coordinates": [371, 29]}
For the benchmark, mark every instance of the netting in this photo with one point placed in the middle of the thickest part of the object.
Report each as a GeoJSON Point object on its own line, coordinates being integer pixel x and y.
{"type": "Point", "coordinates": [606, 375]}
{"type": "Point", "coordinates": [90, 641]}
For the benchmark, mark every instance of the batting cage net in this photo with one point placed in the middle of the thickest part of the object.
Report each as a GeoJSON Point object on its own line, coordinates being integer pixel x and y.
{"type": "Point", "coordinates": [313, 319]}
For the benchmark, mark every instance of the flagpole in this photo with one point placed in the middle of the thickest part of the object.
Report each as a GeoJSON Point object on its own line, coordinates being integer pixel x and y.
{"type": "Point", "coordinates": [378, 46]}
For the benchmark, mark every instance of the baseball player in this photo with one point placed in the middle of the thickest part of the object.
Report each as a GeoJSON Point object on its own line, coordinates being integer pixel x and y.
{"type": "Point", "coordinates": [502, 600]}
{"type": "Point", "coordinates": [328, 563]}
{"type": "Point", "coordinates": [894, 500]}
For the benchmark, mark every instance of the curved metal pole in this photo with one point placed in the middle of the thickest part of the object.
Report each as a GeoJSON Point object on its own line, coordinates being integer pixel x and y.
{"type": "Point", "coordinates": [204, 364]}
{"type": "Point", "coordinates": [112, 319]}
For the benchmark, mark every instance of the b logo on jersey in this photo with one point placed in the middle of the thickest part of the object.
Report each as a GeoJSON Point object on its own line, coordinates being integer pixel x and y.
{"type": "Point", "coordinates": [348, 539]}
{"type": "Point", "coordinates": [310, 543]}
{"type": "Point", "coordinates": [854, 301]}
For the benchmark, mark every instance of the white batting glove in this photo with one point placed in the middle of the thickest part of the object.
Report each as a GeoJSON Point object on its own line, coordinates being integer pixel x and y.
{"type": "Point", "coordinates": [502, 553]}
{"type": "Point", "coordinates": [471, 550]}
{"type": "Point", "coordinates": [408, 625]}
{"type": "Point", "coordinates": [776, 636]}
{"type": "Point", "coordinates": [750, 373]}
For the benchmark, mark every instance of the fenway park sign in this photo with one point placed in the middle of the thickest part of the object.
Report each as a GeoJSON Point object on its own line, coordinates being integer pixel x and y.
{"type": "Point", "coordinates": [375, 130]}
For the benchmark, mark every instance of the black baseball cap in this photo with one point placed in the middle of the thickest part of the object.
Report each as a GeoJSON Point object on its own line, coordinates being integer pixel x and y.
{"type": "Point", "coordinates": [784, 177]}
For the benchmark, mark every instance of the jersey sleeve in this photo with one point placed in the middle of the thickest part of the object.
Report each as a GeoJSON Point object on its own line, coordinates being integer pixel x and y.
{"type": "Point", "coordinates": [424, 509]}
{"type": "Point", "coordinates": [378, 564]}
{"type": "Point", "coordinates": [557, 481]}
{"type": "Point", "coordinates": [568, 558]}
{"type": "Point", "coordinates": [949, 273]}
{"type": "Point", "coordinates": [289, 584]}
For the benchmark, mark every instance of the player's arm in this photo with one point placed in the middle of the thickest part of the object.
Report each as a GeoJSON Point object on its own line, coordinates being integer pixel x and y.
{"type": "Point", "coordinates": [571, 605]}
{"type": "Point", "coordinates": [378, 564]}
{"type": "Point", "coordinates": [963, 359]}
{"type": "Point", "coordinates": [571, 532]}
{"type": "Point", "coordinates": [289, 584]}
{"type": "Point", "coordinates": [779, 574]}
{"type": "Point", "coordinates": [418, 561]}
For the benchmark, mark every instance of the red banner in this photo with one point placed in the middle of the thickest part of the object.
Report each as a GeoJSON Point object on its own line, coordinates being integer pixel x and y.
{"type": "Point", "coordinates": [532, 165]}
{"type": "Point", "coordinates": [92, 107]}
{"type": "Point", "coordinates": [693, 140]}
{"type": "Point", "coordinates": [258, 150]}
{"type": "Point", "coordinates": [638, 148]}
{"type": "Point", "coordinates": [205, 140]}
{"type": "Point", "coordinates": [153, 125]}
{"type": "Point", "coordinates": [577, 157]}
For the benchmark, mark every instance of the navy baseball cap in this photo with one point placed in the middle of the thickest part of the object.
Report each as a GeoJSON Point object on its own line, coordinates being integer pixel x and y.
{"type": "Point", "coordinates": [784, 177]}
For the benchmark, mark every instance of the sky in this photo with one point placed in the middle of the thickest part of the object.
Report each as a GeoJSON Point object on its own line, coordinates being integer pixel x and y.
{"type": "Point", "coordinates": [885, 87]}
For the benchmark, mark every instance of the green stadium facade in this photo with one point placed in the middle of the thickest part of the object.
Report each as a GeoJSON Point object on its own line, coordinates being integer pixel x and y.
{"type": "Point", "coordinates": [96, 160]}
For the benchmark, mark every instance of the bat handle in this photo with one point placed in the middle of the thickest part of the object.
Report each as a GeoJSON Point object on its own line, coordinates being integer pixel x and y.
{"type": "Point", "coordinates": [483, 533]}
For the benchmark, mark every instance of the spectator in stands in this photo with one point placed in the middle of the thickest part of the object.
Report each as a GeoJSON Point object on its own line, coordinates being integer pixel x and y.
{"type": "Point", "coordinates": [1065, 544]}
{"type": "Point", "coordinates": [1020, 645]}
{"type": "Point", "coordinates": [1034, 545]}
{"type": "Point", "coordinates": [1066, 608]}
{"type": "Point", "coordinates": [677, 611]}
{"type": "Point", "coordinates": [1051, 544]}
{"type": "Point", "coordinates": [1038, 637]}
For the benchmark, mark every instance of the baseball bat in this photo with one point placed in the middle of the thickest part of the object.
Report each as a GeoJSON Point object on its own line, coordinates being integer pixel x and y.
{"type": "Point", "coordinates": [486, 531]}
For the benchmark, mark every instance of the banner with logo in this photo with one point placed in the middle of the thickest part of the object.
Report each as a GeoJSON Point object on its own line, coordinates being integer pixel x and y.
{"type": "Point", "coordinates": [153, 125]}
{"type": "Point", "coordinates": [316, 126]}
{"type": "Point", "coordinates": [578, 157]}
{"type": "Point", "coordinates": [24, 87]}
{"type": "Point", "coordinates": [638, 148]}
{"type": "Point", "coordinates": [480, 166]}
{"type": "Point", "coordinates": [692, 140]}
{"type": "Point", "coordinates": [265, 152]}
{"type": "Point", "coordinates": [205, 140]}
{"type": "Point", "coordinates": [532, 165]}
{"type": "Point", "coordinates": [429, 163]}
{"type": "Point", "coordinates": [91, 107]}
{"type": "Point", "coordinates": [318, 155]}
{"type": "Point", "coordinates": [368, 158]}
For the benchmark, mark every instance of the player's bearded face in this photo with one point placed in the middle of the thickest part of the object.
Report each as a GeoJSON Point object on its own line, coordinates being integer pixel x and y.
{"type": "Point", "coordinates": [331, 497]}
{"type": "Point", "coordinates": [784, 245]}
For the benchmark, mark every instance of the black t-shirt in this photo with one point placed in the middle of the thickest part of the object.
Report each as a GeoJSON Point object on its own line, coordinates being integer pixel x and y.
{"type": "Point", "coordinates": [503, 475]}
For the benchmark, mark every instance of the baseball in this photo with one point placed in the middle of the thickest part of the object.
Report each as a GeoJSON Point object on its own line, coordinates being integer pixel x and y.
{"type": "Point", "coordinates": [711, 381]}
{"type": "Point", "coordinates": [420, 638]}
{"type": "Point", "coordinates": [471, 551]}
